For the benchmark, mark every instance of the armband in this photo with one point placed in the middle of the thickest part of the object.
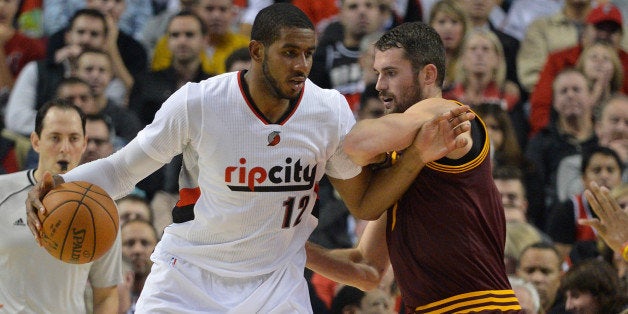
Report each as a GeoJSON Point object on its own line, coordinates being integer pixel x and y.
{"type": "Point", "coordinates": [624, 251]}
{"type": "Point", "coordinates": [383, 164]}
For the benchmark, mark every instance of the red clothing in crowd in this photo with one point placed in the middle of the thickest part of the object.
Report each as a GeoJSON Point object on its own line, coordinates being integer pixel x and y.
{"type": "Point", "coordinates": [318, 11]}
{"type": "Point", "coordinates": [491, 94]}
{"type": "Point", "coordinates": [20, 50]}
{"type": "Point", "coordinates": [541, 98]}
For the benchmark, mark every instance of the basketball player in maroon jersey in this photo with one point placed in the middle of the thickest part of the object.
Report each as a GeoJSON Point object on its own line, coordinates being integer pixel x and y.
{"type": "Point", "coordinates": [442, 221]}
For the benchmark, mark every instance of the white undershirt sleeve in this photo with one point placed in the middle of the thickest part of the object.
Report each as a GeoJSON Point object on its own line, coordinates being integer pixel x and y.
{"type": "Point", "coordinates": [119, 173]}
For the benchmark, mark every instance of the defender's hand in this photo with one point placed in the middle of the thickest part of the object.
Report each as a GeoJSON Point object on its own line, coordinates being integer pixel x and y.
{"type": "Point", "coordinates": [443, 134]}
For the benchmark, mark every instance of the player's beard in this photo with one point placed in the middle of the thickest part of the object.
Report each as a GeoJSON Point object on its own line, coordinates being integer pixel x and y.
{"type": "Point", "coordinates": [273, 83]}
{"type": "Point", "coordinates": [408, 97]}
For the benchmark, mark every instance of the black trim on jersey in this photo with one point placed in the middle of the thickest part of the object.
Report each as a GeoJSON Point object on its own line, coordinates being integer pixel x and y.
{"type": "Point", "coordinates": [280, 188]}
{"type": "Point", "coordinates": [183, 214]}
{"type": "Point", "coordinates": [477, 134]}
{"type": "Point", "coordinates": [293, 102]}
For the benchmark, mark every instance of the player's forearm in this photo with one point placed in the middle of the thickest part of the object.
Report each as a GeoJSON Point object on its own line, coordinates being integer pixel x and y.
{"type": "Point", "coordinates": [345, 266]}
{"type": "Point", "coordinates": [370, 138]}
{"type": "Point", "coordinates": [106, 300]}
{"type": "Point", "coordinates": [388, 185]}
{"type": "Point", "coordinates": [119, 173]}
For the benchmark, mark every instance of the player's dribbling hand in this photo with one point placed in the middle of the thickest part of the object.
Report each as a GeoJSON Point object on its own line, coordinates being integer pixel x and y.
{"type": "Point", "coordinates": [443, 134]}
{"type": "Point", "coordinates": [34, 204]}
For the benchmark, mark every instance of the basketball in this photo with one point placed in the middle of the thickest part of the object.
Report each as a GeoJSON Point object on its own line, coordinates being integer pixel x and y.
{"type": "Point", "coordinates": [80, 224]}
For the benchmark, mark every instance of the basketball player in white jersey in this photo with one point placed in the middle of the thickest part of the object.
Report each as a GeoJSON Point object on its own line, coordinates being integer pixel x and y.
{"type": "Point", "coordinates": [259, 141]}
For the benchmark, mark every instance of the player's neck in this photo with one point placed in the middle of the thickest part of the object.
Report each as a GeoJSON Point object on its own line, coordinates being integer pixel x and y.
{"type": "Point", "coordinates": [432, 92]}
{"type": "Point", "coordinates": [37, 174]}
{"type": "Point", "coordinates": [271, 106]}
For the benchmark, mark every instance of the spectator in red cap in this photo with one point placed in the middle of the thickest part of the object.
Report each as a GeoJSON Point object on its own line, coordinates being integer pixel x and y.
{"type": "Point", "coordinates": [604, 23]}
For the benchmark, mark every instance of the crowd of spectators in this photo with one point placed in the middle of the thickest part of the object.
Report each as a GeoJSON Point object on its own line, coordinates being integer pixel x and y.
{"type": "Point", "coordinates": [547, 77]}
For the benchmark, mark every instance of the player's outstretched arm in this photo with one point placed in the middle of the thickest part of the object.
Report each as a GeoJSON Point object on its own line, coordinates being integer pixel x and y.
{"type": "Point", "coordinates": [34, 204]}
{"type": "Point", "coordinates": [368, 197]}
{"type": "Point", "coordinates": [342, 266]}
{"type": "Point", "coordinates": [612, 224]}
{"type": "Point", "coordinates": [370, 138]}
{"type": "Point", "coordinates": [105, 300]}
{"type": "Point", "coordinates": [362, 267]}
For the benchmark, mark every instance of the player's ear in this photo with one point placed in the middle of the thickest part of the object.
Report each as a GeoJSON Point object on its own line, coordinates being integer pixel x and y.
{"type": "Point", "coordinates": [85, 142]}
{"type": "Point", "coordinates": [430, 74]}
{"type": "Point", "coordinates": [256, 49]}
{"type": "Point", "coordinates": [35, 141]}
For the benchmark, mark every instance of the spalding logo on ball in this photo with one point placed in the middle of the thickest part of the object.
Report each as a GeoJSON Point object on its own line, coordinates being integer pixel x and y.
{"type": "Point", "coordinates": [80, 224]}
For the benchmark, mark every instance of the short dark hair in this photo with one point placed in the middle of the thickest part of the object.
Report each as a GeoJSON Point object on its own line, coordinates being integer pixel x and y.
{"type": "Point", "coordinates": [543, 245]}
{"type": "Point", "coordinates": [272, 19]}
{"type": "Point", "coordinates": [421, 44]}
{"type": "Point", "coordinates": [71, 80]}
{"type": "Point", "coordinates": [56, 103]}
{"type": "Point", "coordinates": [507, 173]}
{"type": "Point", "coordinates": [144, 222]}
{"type": "Point", "coordinates": [186, 13]}
{"type": "Point", "coordinates": [105, 119]}
{"type": "Point", "coordinates": [138, 199]}
{"type": "Point", "coordinates": [102, 52]}
{"type": "Point", "coordinates": [91, 13]}
{"type": "Point", "coordinates": [510, 173]}
{"type": "Point", "coordinates": [240, 54]}
{"type": "Point", "coordinates": [588, 154]}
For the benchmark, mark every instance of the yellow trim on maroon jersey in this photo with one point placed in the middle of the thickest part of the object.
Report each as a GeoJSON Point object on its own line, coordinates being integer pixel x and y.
{"type": "Point", "coordinates": [477, 301]}
{"type": "Point", "coordinates": [469, 165]}
{"type": "Point", "coordinates": [394, 217]}
{"type": "Point", "coordinates": [394, 157]}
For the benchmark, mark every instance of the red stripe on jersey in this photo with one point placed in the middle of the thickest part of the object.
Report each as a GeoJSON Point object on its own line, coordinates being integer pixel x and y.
{"type": "Point", "coordinates": [188, 196]}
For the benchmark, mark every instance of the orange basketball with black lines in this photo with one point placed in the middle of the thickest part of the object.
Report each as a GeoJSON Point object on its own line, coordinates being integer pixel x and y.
{"type": "Point", "coordinates": [80, 224]}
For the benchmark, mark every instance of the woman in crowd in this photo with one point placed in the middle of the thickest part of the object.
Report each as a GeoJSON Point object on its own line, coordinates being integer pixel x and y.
{"type": "Point", "coordinates": [603, 70]}
{"type": "Point", "coordinates": [505, 146]}
{"type": "Point", "coordinates": [451, 23]}
{"type": "Point", "coordinates": [481, 73]}
{"type": "Point", "coordinates": [592, 287]}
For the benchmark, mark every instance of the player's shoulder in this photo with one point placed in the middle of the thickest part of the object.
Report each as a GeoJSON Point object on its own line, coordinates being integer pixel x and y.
{"type": "Point", "coordinates": [313, 90]}
{"type": "Point", "coordinates": [224, 78]}
{"type": "Point", "coordinates": [325, 100]}
{"type": "Point", "coordinates": [216, 85]}
{"type": "Point", "coordinates": [433, 106]}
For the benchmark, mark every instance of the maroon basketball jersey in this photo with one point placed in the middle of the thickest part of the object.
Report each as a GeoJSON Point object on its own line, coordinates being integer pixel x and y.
{"type": "Point", "coordinates": [446, 238]}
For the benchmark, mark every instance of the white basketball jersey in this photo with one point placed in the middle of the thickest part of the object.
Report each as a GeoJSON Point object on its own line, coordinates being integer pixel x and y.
{"type": "Point", "coordinates": [257, 180]}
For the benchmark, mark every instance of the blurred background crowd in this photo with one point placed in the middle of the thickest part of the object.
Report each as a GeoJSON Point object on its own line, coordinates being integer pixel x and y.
{"type": "Point", "coordinates": [547, 77]}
